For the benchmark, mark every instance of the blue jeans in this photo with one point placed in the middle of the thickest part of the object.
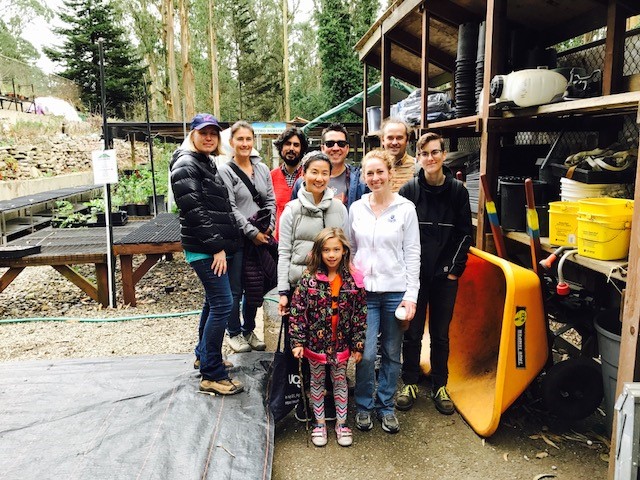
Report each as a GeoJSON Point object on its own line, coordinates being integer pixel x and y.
{"type": "Point", "coordinates": [248, 313]}
{"type": "Point", "coordinates": [381, 318]}
{"type": "Point", "coordinates": [213, 320]}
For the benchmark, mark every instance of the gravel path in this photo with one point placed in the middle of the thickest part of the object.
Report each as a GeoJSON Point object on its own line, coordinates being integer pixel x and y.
{"type": "Point", "coordinates": [170, 287]}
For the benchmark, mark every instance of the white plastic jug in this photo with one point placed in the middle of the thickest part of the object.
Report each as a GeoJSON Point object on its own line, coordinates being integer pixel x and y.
{"type": "Point", "coordinates": [526, 88]}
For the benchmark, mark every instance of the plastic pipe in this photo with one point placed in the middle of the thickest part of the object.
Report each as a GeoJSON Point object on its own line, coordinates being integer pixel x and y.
{"type": "Point", "coordinates": [563, 287]}
{"type": "Point", "coordinates": [546, 263]}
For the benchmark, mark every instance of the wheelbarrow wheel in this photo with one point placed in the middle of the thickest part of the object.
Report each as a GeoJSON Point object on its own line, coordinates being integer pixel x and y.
{"type": "Point", "coordinates": [572, 389]}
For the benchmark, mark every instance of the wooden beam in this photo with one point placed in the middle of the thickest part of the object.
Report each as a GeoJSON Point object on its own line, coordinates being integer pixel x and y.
{"type": "Point", "coordinates": [614, 49]}
{"type": "Point", "coordinates": [365, 102]}
{"type": "Point", "coordinates": [424, 74]}
{"type": "Point", "coordinates": [9, 276]}
{"type": "Point", "coordinates": [145, 266]}
{"type": "Point", "coordinates": [451, 13]}
{"type": "Point", "coordinates": [628, 368]}
{"type": "Point", "coordinates": [385, 77]}
{"type": "Point", "coordinates": [414, 45]}
{"type": "Point", "coordinates": [585, 23]}
{"type": "Point", "coordinates": [78, 280]}
{"type": "Point", "coordinates": [398, 72]}
{"type": "Point", "coordinates": [146, 248]}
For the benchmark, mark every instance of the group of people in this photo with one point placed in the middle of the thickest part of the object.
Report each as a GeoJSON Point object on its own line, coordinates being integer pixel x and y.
{"type": "Point", "coordinates": [362, 253]}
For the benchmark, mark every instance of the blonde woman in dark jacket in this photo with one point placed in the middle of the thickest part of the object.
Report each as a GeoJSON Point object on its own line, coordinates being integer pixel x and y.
{"type": "Point", "coordinates": [209, 233]}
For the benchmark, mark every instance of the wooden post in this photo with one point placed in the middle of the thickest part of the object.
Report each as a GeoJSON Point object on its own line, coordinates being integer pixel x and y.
{"type": "Point", "coordinates": [614, 49]}
{"type": "Point", "coordinates": [385, 77]}
{"type": "Point", "coordinates": [424, 76]}
{"type": "Point", "coordinates": [628, 368]}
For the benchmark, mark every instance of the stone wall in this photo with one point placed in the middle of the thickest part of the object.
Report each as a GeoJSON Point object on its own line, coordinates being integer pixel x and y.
{"type": "Point", "coordinates": [59, 155]}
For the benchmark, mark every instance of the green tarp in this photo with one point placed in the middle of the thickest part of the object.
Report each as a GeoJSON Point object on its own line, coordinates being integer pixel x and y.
{"type": "Point", "coordinates": [399, 91]}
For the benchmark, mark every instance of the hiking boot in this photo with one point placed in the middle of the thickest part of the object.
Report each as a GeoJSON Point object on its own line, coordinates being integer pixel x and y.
{"type": "Point", "coordinates": [238, 343]}
{"type": "Point", "coordinates": [226, 363]}
{"type": "Point", "coordinates": [344, 435]}
{"type": "Point", "coordinates": [319, 435]}
{"type": "Point", "coordinates": [443, 402]}
{"type": "Point", "coordinates": [301, 414]}
{"type": "Point", "coordinates": [254, 342]}
{"type": "Point", "coordinates": [390, 423]}
{"type": "Point", "coordinates": [407, 397]}
{"type": "Point", "coordinates": [225, 386]}
{"type": "Point", "coordinates": [363, 421]}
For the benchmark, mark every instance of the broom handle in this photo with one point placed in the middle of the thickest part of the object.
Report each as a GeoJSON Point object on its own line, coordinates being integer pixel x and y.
{"type": "Point", "coordinates": [492, 213]}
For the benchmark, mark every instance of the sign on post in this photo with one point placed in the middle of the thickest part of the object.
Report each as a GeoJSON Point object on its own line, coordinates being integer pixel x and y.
{"type": "Point", "coordinates": [105, 167]}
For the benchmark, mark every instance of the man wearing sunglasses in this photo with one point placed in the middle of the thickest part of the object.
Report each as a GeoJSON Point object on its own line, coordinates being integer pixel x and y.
{"type": "Point", "coordinates": [345, 179]}
{"type": "Point", "coordinates": [394, 137]}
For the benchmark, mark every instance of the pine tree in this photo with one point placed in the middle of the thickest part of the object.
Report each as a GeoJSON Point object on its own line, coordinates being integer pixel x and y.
{"type": "Point", "coordinates": [89, 20]}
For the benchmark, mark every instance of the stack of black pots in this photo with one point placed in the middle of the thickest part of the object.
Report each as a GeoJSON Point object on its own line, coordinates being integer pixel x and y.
{"type": "Point", "coordinates": [480, 64]}
{"type": "Point", "coordinates": [465, 76]}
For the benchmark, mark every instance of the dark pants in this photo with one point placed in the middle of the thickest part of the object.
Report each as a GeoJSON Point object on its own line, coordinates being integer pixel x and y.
{"type": "Point", "coordinates": [439, 294]}
{"type": "Point", "coordinates": [235, 325]}
{"type": "Point", "coordinates": [213, 320]}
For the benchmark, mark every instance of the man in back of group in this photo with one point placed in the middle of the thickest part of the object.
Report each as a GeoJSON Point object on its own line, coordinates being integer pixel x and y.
{"type": "Point", "coordinates": [345, 179]}
{"type": "Point", "coordinates": [394, 137]}
{"type": "Point", "coordinates": [292, 144]}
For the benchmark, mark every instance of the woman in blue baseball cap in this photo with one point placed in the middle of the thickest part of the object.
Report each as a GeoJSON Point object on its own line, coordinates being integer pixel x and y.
{"type": "Point", "coordinates": [209, 233]}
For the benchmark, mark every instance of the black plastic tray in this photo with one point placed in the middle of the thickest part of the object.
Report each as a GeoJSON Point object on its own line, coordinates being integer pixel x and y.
{"type": "Point", "coordinates": [591, 176]}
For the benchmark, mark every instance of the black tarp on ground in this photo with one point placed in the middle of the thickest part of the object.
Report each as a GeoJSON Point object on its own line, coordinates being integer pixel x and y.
{"type": "Point", "coordinates": [132, 417]}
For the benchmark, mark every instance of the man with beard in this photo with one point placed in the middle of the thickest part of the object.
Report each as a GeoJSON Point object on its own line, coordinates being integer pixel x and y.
{"type": "Point", "coordinates": [292, 144]}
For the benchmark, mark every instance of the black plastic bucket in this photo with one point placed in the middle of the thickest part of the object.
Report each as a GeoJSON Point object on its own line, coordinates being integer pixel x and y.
{"type": "Point", "coordinates": [513, 201]}
{"type": "Point", "coordinates": [608, 329]}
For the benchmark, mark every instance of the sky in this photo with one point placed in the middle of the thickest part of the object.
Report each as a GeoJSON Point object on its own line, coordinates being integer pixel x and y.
{"type": "Point", "coordinates": [40, 33]}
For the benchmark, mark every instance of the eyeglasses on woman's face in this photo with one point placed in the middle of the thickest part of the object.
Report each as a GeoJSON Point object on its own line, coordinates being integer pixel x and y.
{"type": "Point", "coordinates": [433, 153]}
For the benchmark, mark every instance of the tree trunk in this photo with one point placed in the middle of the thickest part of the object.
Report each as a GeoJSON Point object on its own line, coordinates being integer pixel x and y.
{"type": "Point", "coordinates": [173, 106]}
{"type": "Point", "coordinates": [285, 58]}
{"type": "Point", "coordinates": [213, 55]}
{"type": "Point", "coordinates": [188, 77]}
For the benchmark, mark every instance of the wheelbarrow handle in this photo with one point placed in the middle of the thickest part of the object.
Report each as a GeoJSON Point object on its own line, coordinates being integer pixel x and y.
{"type": "Point", "coordinates": [492, 213]}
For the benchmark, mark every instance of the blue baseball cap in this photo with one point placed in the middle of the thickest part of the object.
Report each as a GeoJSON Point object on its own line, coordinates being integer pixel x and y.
{"type": "Point", "coordinates": [202, 120]}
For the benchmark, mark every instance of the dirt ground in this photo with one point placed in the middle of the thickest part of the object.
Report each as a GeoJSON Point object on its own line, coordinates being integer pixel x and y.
{"type": "Point", "coordinates": [528, 443]}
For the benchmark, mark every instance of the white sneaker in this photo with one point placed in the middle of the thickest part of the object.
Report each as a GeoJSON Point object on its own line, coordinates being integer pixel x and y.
{"type": "Point", "coordinates": [254, 342]}
{"type": "Point", "coordinates": [238, 343]}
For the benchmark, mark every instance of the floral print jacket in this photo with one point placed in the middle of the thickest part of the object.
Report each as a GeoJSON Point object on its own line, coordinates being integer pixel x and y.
{"type": "Point", "coordinates": [310, 317]}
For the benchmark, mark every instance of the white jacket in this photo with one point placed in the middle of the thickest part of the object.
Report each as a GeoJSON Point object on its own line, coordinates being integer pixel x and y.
{"type": "Point", "coordinates": [387, 249]}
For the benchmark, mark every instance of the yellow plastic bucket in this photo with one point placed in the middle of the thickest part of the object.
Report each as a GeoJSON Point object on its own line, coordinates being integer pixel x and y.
{"type": "Point", "coordinates": [497, 339]}
{"type": "Point", "coordinates": [563, 223]}
{"type": "Point", "coordinates": [604, 238]}
{"type": "Point", "coordinates": [606, 206]}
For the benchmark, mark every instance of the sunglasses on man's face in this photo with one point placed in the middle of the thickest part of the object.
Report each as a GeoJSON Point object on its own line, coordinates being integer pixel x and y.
{"type": "Point", "coordinates": [331, 143]}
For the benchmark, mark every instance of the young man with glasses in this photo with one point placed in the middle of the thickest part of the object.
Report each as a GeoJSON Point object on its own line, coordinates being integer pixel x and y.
{"type": "Point", "coordinates": [442, 204]}
{"type": "Point", "coordinates": [394, 137]}
{"type": "Point", "coordinates": [345, 179]}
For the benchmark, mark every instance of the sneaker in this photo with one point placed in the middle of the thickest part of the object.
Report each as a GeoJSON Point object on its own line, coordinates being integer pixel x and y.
{"type": "Point", "coordinates": [226, 363]}
{"type": "Point", "coordinates": [407, 397]}
{"type": "Point", "coordinates": [344, 435]}
{"type": "Point", "coordinates": [254, 342]}
{"type": "Point", "coordinates": [390, 423]}
{"type": "Point", "coordinates": [443, 402]}
{"type": "Point", "coordinates": [319, 435]}
{"type": "Point", "coordinates": [363, 421]}
{"type": "Point", "coordinates": [226, 386]}
{"type": "Point", "coordinates": [238, 343]}
{"type": "Point", "coordinates": [301, 414]}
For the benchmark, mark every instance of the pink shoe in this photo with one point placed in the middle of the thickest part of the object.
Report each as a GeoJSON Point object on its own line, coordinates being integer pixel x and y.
{"type": "Point", "coordinates": [343, 434]}
{"type": "Point", "coordinates": [319, 435]}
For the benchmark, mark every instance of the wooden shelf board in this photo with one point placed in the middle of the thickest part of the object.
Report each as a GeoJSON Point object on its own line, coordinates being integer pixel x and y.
{"type": "Point", "coordinates": [618, 103]}
{"type": "Point", "coordinates": [464, 122]}
{"type": "Point", "coordinates": [601, 266]}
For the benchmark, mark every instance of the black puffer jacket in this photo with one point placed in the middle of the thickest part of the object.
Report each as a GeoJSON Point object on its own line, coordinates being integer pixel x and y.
{"type": "Point", "coordinates": [206, 222]}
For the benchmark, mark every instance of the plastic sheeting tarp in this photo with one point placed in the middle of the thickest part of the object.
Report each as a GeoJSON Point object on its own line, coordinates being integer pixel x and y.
{"type": "Point", "coordinates": [132, 417]}
{"type": "Point", "coordinates": [54, 106]}
{"type": "Point", "coordinates": [399, 91]}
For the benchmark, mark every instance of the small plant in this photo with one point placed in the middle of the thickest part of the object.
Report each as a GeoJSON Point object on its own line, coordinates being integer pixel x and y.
{"type": "Point", "coordinates": [64, 208]}
{"type": "Point", "coordinates": [74, 220]}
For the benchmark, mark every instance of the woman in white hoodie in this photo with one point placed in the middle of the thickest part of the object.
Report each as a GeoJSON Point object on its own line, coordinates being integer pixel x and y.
{"type": "Point", "coordinates": [386, 243]}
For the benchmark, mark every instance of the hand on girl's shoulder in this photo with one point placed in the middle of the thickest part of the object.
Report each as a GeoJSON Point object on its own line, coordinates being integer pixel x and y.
{"type": "Point", "coordinates": [357, 275]}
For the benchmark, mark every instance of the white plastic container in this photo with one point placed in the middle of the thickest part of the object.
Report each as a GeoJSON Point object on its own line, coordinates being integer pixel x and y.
{"type": "Point", "coordinates": [572, 191]}
{"type": "Point", "coordinates": [526, 88]}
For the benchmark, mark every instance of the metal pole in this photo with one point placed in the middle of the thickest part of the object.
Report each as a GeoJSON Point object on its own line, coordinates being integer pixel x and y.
{"type": "Point", "coordinates": [150, 142]}
{"type": "Point", "coordinates": [111, 261]}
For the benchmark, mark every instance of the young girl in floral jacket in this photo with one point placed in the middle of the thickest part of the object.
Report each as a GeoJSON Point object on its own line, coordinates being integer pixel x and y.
{"type": "Point", "coordinates": [327, 325]}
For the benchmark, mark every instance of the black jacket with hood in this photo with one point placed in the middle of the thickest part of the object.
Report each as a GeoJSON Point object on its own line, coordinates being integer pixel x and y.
{"type": "Point", "coordinates": [445, 224]}
{"type": "Point", "coordinates": [206, 222]}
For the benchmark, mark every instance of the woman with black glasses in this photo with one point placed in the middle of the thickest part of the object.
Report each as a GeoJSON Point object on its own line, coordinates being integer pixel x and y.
{"type": "Point", "coordinates": [442, 205]}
